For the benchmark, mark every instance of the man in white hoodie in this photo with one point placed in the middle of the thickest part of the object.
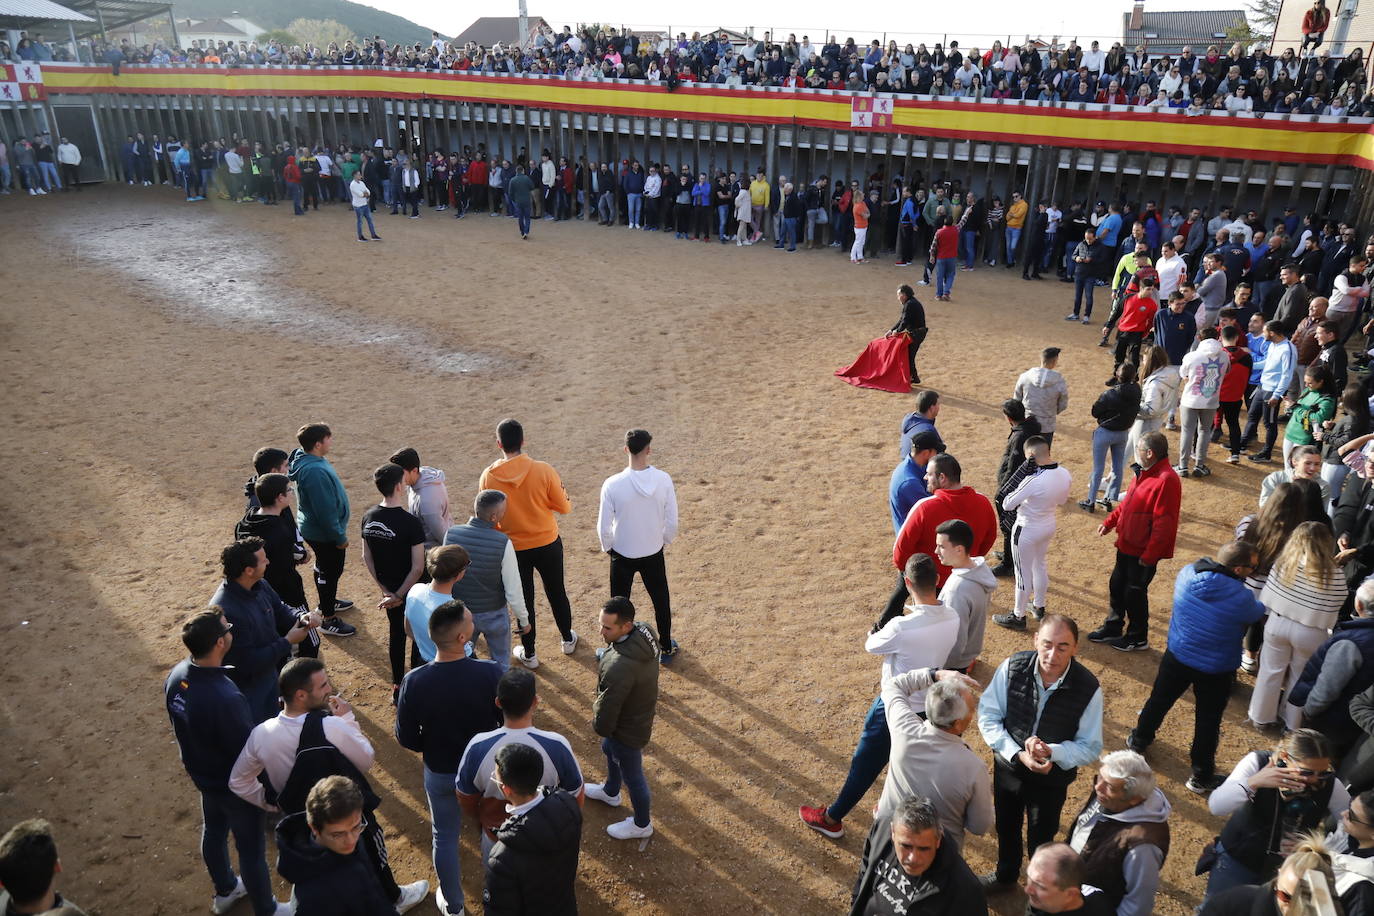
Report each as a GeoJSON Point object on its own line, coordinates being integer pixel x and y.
{"type": "Point", "coordinates": [1043, 487]}
{"type": "Point", "coordinates": [967, 591]}
{"type": "Point", "coordinates": [1202, 371]}
{"type": "Point", "coordinates": [1044, 392]}
{"type": "Point", "coordinates": [428, 496]}
{"type": "Point", "coordinates": [638, 519]}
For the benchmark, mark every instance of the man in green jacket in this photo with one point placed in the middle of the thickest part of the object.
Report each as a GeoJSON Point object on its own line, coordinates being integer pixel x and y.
{"type": "Point", "coordinates": [323, 519]}
{"type": "Point", "coordinates": [623, 713]}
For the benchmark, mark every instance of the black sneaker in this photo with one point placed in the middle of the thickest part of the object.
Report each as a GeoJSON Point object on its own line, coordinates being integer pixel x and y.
{"type": "Point", "coordinates": [1104, 345]}
{"type": "Point", "coordinates": [1009, 621]}
{"type": "Point", "coordinates": [1087, 505]}
{"type": "Point", "coordinates": [1004, 570]}
{"type": "Point", "coordinates": [1037, 612]}
{"type": "Point", "coordinates": [1202, 470]}
{"type": "Point", "coordinates": [1203, 785]}
{"type": "Point", "coordinates": [1127, 643]}
{"type": "Point", "coordinates": [336, 627]}
{"type": "Point", "coordinates": [1133, 745]}
{"type": "Point", "coordinates": [1262, 457]}
{"type": "Point", "coordinates": [342, 604]}
{"type": "Point", "coordinates": [995, 885]}
{"type": "Point", "coordinates": [1102, 634]}
{"type": "Point", "coordinates": [668, 654]}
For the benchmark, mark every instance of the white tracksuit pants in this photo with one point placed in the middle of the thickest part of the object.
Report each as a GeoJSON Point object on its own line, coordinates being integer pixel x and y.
{"type": "Point", "coordinates": [1030, 547]}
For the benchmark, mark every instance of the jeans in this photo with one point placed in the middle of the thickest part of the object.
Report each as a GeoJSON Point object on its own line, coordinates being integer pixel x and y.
{"type": "Point", "coordinates": [329, 564]}
{"type": "Point", "coordinates": [626, 764]}
{"type": "Point", "coordinates": [870, 756]}
{"type": "Point", "coordinates": [522, 216]}
{"type": "Point", "coordinates": [1335, 475]}
{"type": "Point", "coordinates": [968, 246]}
{"type": "Point", "coordinates": [722, 217]}
{"type": "Point", "coordinates": [812, 218]}
{"type": "Point", "coordinates": [6, 177]}
{"type": "Point", "coordinates": [294, 188]}
{"type": "Point", "coordinates": [1227, 873]}
{"type": "Point", "coordinates": [605, 207]}
{"type": "Point", "coordinates": [654, 571]}
{"type": "Point", "coordinates": [1210, 691]}
{"type": "Point", "coordinates": [48, 171]}
{"type": "Point", "coordinates": [365, 213]}
{"type": "Point", "coordinates": [1013, 240]}
{"type": "Point", "coordinates": [635, 204]}
{"type": "Point", "coordinates": [446, 818]}
{"type": "Point", "coordinates": [944, 276]}
{"type": "Point", "coordinates": [1083, 287]}
{"type": "Point", "coordinates": [789, 232]}
{"type": "Point", "coordinates": [29, 174]}
{"type": "Point", "coordinates": [1103, 440]}
{"type": "Point", "coordinates": [494, 627]}
{"type": "Point", "coordinates": [548, 560]}
{"type": "Point", "coordinates": [226, 813]}
{"type": "Point", "coordinates": [1260, 408]}
{"type": "Point", "coordinates": [207, 178]}
{"type": "Point", "coordinates": [1127, 593]}
{"type": "Point", "coordinates": [1048, 253]}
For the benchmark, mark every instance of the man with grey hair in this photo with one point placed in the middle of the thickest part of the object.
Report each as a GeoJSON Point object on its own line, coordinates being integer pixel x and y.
{"type": "Point", "coordinates": [1340, 669]}
{"type": "Point", "coordinates": [490, 587]}
{"type": "Point", "coordinates": [1122, 833]}
{"type": "Point", "coordinates": [909, 867]}
{"type": "Point", "coordinates": [929, 757]}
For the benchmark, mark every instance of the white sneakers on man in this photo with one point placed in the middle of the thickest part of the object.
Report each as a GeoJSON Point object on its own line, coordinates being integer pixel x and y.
{"type": "Point", "coordinates": [570, 645]}
{"type": "Point", "coordinates": [597, 792]}
{"type": "Point", "coordinates": [411, 895]}
{"type": "Point", "coordinates": [629, 830]}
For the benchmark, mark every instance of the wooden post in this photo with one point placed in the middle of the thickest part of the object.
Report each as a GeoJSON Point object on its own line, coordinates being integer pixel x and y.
{"type": "Point", "coordinates": [1246, 166]}
{"type": "Point", "coordinates": [1325, 197]}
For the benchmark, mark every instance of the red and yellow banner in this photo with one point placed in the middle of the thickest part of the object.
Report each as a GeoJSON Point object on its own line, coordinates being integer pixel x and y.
{"type": "Point", "coordinates": [1262, 139]}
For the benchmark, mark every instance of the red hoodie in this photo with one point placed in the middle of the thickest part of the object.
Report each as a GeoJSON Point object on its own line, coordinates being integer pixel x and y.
{"type": "Point", "coordinates": [1146, 520]}
{"type": "Point", "coordinates": [1138, 315]}
{"type": "Point", "coordinates": [292, 172]}
{"type": "Point", "coordinates": [918, 531]}
{"type": "Point", "coordinates": [1237, 376]}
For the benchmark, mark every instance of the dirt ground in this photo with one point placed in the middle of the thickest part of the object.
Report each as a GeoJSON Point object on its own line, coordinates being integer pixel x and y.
{"type": "Point", "coordinates": [151, 346]}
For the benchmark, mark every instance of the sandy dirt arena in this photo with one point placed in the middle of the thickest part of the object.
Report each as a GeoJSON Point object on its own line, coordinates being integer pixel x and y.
{"type": "Point", "coordinates": [151, 346]}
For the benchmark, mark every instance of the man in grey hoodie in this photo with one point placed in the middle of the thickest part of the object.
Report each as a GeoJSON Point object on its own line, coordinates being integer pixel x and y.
{"type": "Point", "coordinates": [1044, 392]}
{"type": "Point", "coordinates": [967, 591]}
{"type": "Point", "coordinates": [428, 496]}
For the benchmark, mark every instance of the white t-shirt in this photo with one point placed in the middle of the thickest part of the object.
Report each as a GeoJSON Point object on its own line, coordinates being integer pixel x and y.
{"type": "Point", "coordinates": [359, 191]}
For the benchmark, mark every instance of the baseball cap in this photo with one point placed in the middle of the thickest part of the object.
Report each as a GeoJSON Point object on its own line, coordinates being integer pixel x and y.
{"type": "Point", "coordinates": [927, 439]}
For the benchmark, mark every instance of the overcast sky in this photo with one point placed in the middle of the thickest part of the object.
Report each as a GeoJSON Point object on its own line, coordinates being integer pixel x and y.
{"type": "Point", "coordinates": [986, 20]}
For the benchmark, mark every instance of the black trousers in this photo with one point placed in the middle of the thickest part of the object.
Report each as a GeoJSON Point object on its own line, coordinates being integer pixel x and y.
{"type": "Point", "coordinates": [906, 243]}
{"type": "Point", "coordinates": [1017, 801]}
{"type": "Point", "coordinates": [69, 176]}
{"type": "Point", "coordinates": [918, 337]}
{"type": "Point", "coordinates": [654, 571]}
{"type": "Point", "coordinates": [329, 565]}
{"type": "Point", "coordinates": [1262, 410]}
{"type": "Point", "coordinates": [396, 644]}
{"type": "Point", "coordinates": [1230, 412]}
{"type": "Point", "coordinates": [1127, 591]}
{"type": "Point", "coordinates": [1210, 692]}
{"type": "Point", "coordinates": [1128, 347]}
{"type": "Point", "coordinates": [701, 228]}
{"type": "Point", "coordinates": [548, 561]}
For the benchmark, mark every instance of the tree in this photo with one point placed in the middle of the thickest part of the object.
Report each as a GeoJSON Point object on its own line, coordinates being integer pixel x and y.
{"type": "Point", "coordinates": [1259, 25]}
{"type": "Point", "coordinates": [320, 32]}
{"type": "Point", "coordinates": [281, 36]}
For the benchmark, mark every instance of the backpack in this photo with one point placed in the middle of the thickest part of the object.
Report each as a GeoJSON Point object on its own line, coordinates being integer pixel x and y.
{"type": "Point", "coordinates": [316, 758]}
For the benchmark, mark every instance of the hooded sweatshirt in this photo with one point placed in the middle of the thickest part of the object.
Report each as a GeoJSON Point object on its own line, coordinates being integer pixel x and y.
{"type": "Point", "coordinates": [1141, 866]}
{"type": "Point", "coordinates": [1202, 372]}
{"type": "Point", "coordinates": [627, 688]}
{"type": "Point", "coordinates": [532, 868]}
{"type": "Point", "coordinates": [638, 515]}
{"type": "Point", "coordinates": [322, 501]}
{"type": "Point", "coordinates": [1045, 394]}
{"type": "Point", "coordinates": [533, 493]}
{"type": "Point", "coordinates": [918, 531]}
{"type": "Point", "coordinates": [429, 503]}
{"type": "Point", "coordinates": [968, 593]}
{"type": "Point", "coordinates": [326, 883]}
{"type": "Point", "coordinates": [283, 549]}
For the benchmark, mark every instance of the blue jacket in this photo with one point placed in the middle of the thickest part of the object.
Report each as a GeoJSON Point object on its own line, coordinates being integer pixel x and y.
{"type": "Point", "coordinates": [260, 619]}
{"type": "Point", "coordinates": [323, 505]}
{"type": "Point", "coordinates": [912, 424]}
{"type": "Point", "coordinates": [1212, 608]}
{"type": "Point", "coordinates": [633, 182]}
{"type": "Point", "coordinates": [701, 194]}
{"type": "Point", "coordinates": [907, 488]}
{"type": "Point", "coordinates": [211, 721]}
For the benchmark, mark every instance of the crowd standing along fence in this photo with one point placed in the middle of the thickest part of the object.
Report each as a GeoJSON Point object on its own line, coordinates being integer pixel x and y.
{"type": "Point", "coordinates": [1051, 151]}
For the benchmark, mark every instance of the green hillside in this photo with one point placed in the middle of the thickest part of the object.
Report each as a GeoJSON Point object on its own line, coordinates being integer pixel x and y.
{"type": "Point", "coordinates": [273, 14]}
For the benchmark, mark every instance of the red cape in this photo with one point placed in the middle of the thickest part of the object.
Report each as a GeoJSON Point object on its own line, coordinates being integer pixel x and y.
{"type": "Point", "coordinates": [882, 365]}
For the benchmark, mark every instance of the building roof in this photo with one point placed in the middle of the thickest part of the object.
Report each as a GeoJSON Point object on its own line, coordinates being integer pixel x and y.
{"type": "Point", "coordinates": [39, 11]}
{"type": "Point", "coordinates": [488, 30]}
{"type": "Point", "coordinates": [212, 27]}
{"type": "Point", "coordinates": [1165, 30]}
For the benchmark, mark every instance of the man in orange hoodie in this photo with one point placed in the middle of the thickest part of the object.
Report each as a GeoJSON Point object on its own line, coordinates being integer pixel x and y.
{"type": "Point", "coordinates": [949, 499]}
{"type": "Point", "coordinates": [533, 494]}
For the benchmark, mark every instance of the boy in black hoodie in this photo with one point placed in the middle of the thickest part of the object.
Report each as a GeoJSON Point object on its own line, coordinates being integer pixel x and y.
{"type": "Point", "coordinates": [318, 852]}
{"type": "Point", "coordinates": [532, 868]}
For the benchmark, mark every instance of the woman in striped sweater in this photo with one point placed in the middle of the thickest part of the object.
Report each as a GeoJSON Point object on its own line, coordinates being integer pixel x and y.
{"type": "Point", "coordinates": [1303, 594]}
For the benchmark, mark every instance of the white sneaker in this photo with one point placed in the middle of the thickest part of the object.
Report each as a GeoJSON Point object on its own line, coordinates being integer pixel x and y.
{"type": "Point", "coordinates": [597, 792]}
{"type": "Point", "coordinates": [32, 192]}
{"type": "Point", "coordinates": [570, 645]}
{"type": "Point", "coordinates": [223, 904]}
{"type": "Point", "coordinates": [285, 909]}
{"type": "Point", "coordinates": [411, 895]}
{"type": "Point", "coordinates": [629, 830]}
{"type": "Point", "coordinates": [441, 903]}
{"type": "Point", "coordinates": [531, 662]}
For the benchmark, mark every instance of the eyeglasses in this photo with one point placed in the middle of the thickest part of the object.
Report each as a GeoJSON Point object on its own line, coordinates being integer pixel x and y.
{"type": "Point", "coordinates": [356, 830]}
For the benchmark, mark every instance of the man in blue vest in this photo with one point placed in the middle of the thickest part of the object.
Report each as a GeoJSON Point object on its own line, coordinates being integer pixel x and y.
{"type": "Point", "coordinates": [490, 586]}
{"type": "Point", "coordinates": [1337, 672]}
{"type": "Point", "coordinates": [1042, 716]}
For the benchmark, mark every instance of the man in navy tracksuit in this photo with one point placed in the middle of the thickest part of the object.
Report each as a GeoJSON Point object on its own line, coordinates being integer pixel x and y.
{"type": "Point", "coordinates": [211, 720]}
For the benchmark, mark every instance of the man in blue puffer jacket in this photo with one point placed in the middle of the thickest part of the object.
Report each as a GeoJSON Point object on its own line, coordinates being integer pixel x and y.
{"type": "Point", "coordinates": [1212, 608]}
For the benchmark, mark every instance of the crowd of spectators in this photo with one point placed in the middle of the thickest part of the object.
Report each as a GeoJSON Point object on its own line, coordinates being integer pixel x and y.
{"type": "Point", "coordinates": [1309, 82]}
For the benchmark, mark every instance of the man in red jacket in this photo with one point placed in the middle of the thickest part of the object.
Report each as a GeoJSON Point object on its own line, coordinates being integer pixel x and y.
{"type": "Point", "coordinates": [1146, 525]}
{"type": "Point", "coordinates": [1137, 320]}
{"type": "Point", "coordinates": [949, 499]}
